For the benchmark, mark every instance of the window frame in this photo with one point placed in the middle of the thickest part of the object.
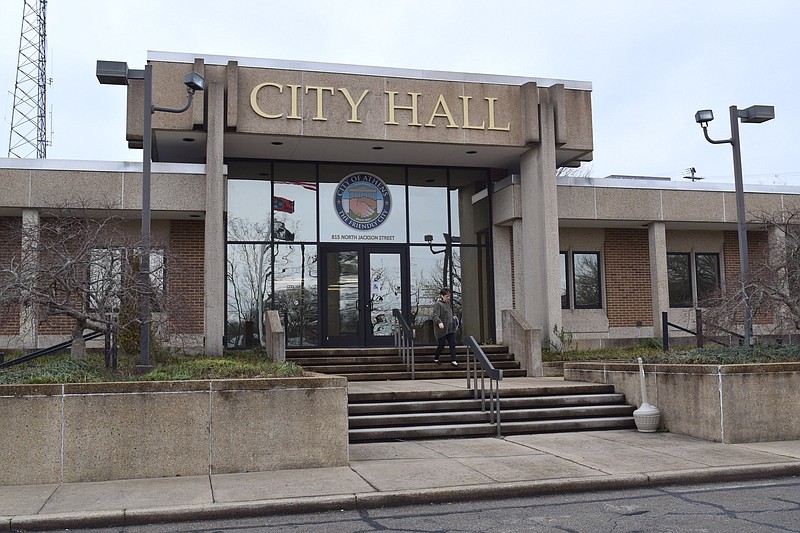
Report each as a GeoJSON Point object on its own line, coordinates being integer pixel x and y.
{"type": "Point", "coordinates": [567, 262]}
{"type": "Point", "coordinates": [695, 298]}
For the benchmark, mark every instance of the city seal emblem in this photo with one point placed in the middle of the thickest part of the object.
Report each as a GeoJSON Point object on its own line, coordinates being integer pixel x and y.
{"type": "Point", "coordinates": [362, 201]}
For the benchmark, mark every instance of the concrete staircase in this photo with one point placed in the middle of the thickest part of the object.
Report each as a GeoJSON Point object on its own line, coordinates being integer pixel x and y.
{"type": "Point", "coordinates": [381, 364]}
{"type": "Point", "coordinates": [408, 411]}
{"type": "Point", "coordinates": [383, 416]}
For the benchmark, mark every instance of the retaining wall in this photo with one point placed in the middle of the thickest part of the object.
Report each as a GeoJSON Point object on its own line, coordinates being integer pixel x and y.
{"type": "Point", "coordinates": [105, 431]}
{"type": "Point", "coordinates": [721, 403]}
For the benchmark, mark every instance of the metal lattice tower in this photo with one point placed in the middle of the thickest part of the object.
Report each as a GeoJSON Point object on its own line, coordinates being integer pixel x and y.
{"type": "Point", "coordinates": [29, 117]}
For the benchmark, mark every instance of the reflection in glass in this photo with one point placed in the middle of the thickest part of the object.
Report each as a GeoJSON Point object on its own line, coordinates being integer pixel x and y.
{"type": "Point", "coordinates": [249, 210]}
{"type": "Point", "coordinates": [562, 263]}
{"type": "Point", "coordinates": [248, 279]}
{"type": "Point", "coordinates": [296, 208]}
{"type": "Point", "coordinates": [679, 280]}
{"type": "Point", "coordinates": [426, 276]}
{"type": "Point", "coordinates": [707, 272]}
{"type": "Point", "coordinates": [385, 292]}
{"type": "Point", "coordinates": [296, 295]}
{"type": "Point", "coordinates": [273, 228]}
{"type": "Point", "coordinates": [427, 273]}
{"type": "Point", "coordinates": [427, 210]}
{"type": "Point", "coordinates": [342, 292]}
{"type": "Point", "coordinates": [586, 266]}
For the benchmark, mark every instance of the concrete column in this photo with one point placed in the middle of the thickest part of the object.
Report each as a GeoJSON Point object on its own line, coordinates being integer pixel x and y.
{"type": "Point", "coordinates": [659, 283]}
{"type": "Point", "coordinates": [501, 250]}
{"type": "Point", "coordinates": [28, 323]}
{"type": "Point", "coordinates": [541, 299]}
{"type": "Point", "coordinates": [214, 280]}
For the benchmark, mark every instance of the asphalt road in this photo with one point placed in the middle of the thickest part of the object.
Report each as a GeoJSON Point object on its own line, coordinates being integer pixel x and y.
{"type": "Point", "coordinates": [752, 507]}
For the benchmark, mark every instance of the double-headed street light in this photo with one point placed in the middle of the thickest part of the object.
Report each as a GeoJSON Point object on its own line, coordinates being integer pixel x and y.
{"type": "Point", "coordinates": [754, 115]}
{"type": "Point", "coordinates": [117, 73]}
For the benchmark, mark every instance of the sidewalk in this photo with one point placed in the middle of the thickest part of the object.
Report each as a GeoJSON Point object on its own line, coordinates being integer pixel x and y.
{"type": "Point", "coordinates": [405, 472]}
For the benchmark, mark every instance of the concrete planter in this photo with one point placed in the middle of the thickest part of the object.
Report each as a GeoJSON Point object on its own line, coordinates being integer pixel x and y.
{"type": "Point", "coordinates": [105, 431]}
{"type": "Point", "coordinates": [721, 403]}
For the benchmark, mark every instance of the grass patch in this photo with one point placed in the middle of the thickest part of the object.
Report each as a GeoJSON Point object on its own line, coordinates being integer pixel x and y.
{"type": "Point", "coordinates": [62, 369]}
{"type": "Point", "coordinates": [685, 356]}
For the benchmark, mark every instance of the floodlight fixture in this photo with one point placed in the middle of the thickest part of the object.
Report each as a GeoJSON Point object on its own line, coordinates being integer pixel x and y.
{"type": "Point", "coordinates": [704, 116]}
{"type": "Point", "coordinates": [194, 81]}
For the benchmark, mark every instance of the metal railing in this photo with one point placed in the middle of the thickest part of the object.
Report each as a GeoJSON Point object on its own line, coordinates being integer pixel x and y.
{"type": "Point", "coordinates": [47, 351]}
{"type": "Point", "coordinates": [404, 341]}
{"type": "Point", "coordinates": [475, 358]}
{"type": "Point", "coordinates": [700, 338]}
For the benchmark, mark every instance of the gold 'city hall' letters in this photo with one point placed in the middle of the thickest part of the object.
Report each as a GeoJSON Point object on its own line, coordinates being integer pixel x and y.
{"type": "Point", "coordinates": [440, 110]}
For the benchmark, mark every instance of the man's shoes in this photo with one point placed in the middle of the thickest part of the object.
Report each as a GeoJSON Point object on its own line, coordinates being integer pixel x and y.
{"type": "Point", "coordinates": [453, 363]}
{"type": "Point", "coordinates": [437, 361]}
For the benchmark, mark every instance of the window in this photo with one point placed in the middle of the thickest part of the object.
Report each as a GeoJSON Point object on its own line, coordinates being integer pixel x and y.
{"type": "Point", "coordinates": [689, 286]}
{"type": "Point", "coordinates": [580, 271]}
{"type": "Point", "coordinates": [706, 269]}
{"type": "Point", "coordinates": [680, 280]}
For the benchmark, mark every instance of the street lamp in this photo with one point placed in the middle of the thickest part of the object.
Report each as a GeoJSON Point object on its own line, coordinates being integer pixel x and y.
{"type": "Point", "coordinates": [117, 73]}
{"type": "Point", "coordinates": [755, 114]}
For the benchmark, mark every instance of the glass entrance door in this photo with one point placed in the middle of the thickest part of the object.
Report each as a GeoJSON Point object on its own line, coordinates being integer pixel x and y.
{"type": "Point", "coordinates": [361, 286]}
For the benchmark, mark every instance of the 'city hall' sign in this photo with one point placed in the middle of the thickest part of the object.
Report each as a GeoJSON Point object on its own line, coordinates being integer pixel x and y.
{"type": "Point", "coordinates": [276, 101]}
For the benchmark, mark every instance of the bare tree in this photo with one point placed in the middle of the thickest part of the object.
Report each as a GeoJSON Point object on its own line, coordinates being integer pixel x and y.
{"type": "Point", "coordinates": [773, 284]}
{"type": "Point", "coordinates": [70, 266]}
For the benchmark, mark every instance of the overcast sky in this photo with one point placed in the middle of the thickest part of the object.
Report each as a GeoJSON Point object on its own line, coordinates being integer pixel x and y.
{"type": "Point", "coordinates": [652, 64]}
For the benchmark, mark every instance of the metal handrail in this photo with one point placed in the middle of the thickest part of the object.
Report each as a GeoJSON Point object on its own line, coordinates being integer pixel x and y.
{"type": "Point", "coordinates": [48, 351]}
{"type": "Point", "coordinates": [476, 357]}
{"type": "Point", "coordinates": [666, 324]}
{"type": "Point", "coordinates": [404, 341]}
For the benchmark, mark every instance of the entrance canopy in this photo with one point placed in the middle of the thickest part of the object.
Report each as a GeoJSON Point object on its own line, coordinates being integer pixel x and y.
{"type": "Point", "coordinates": [328, 112]}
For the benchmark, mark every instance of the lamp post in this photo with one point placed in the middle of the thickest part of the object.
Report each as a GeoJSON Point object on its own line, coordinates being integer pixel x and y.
{"type": "Point", "coordinates": [117, 73]}
{"type": "Point", "coordinates": [755, 114]}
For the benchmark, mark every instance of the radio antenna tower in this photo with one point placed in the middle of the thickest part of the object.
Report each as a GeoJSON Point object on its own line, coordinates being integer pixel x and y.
{"type": "Point", "coordinates": [29, 115]}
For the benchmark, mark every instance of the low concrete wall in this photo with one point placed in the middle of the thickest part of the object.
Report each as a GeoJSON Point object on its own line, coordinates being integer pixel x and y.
{"type": "Point", "coordinates": [274, 336]}
{"type": "Point", "coordinates": [105, 431]}
{"type": "Point", "coordinates": [721, 403]}
{"type": "Point", "coordinates": [523, 341]}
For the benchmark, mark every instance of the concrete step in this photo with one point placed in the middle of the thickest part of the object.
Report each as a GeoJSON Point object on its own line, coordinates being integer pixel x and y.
{"type": "Point", "coordinates": [486, 429]}
{"type": "Point", "coordinates": [293, 353]}
{"type": "Point", "coordinates": [562, 393]}
{"type": "Point", "coordinates": [375, 359]}
{"type": "Point", "coordinates": [524, 403]}
{"type": "Point", "coordinates": [478, 416]}
{"type": "Point", "coordinates": [452, 413]}
{"type": "Point", "coordinates": [382, 364]}
{"type": "Point", "coordinates": [445, 373]}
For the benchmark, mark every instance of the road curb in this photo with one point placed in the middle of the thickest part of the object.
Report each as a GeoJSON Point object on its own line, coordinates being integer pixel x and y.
{"type": "Point", "coordinates": [373, 500]}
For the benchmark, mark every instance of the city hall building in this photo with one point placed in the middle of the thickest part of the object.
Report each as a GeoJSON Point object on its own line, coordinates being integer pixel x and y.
{"type": "Point", "coordinates": [335, 194]}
